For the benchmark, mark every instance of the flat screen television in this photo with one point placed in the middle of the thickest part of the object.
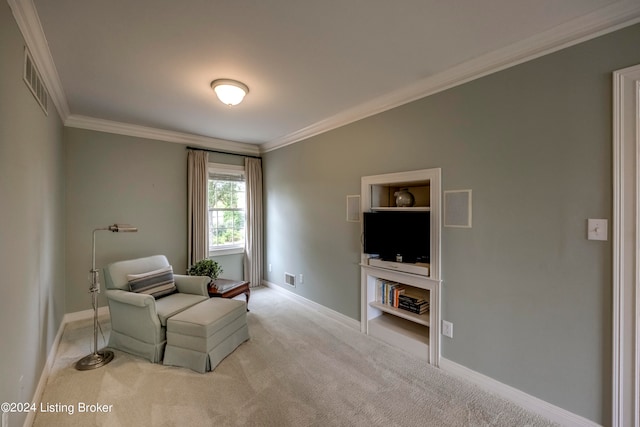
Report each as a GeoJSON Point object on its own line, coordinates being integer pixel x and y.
{"type": "Point", "coordinates": [392, 233]}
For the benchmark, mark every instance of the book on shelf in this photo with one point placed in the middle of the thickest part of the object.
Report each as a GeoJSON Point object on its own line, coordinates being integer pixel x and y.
{"type": "Point", "coordinates": [403, 297]}
{"type": "Point", "coordinates": [414, 304]}
{"type": "Point", "coordinates": [414, 299]}
{"type": "Point", "coordinates": [388, 292]}
{"type": "Point", "coordinates": [414, 309]}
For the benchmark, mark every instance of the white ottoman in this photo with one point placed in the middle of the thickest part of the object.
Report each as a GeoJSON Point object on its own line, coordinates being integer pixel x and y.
{"type": "Point", "coordinates": [201, 336]}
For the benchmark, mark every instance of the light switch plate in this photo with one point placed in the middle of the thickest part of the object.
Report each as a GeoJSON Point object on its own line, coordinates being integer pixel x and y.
{"type": "Point", "coordinates": [597, 229]}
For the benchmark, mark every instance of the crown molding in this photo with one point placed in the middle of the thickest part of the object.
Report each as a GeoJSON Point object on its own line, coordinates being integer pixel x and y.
{"type": "Point", "coordinates": [109, 126]}
{"type": "Point", "coordinates": [26, 16]}
{"type": "Point", "coordinates": [608, 19]}
{"type": "Point", "coordinates": [613, 17]}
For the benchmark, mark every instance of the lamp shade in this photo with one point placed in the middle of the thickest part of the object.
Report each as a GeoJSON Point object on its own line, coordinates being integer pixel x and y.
{"type": "Point", "coordinates": [122, 228]}
{"type": "Point", "coordinates": [230, 92]}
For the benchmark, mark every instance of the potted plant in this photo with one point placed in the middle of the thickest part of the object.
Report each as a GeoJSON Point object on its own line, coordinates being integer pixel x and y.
{"type": "Point", "coordinates": [205, 267]}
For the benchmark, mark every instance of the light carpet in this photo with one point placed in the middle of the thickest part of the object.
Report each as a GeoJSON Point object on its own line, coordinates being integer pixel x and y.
{"type": "Point", "coordinates": [299, 368]}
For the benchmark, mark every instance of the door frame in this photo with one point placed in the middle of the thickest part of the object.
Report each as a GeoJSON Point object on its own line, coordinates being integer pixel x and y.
{"type": "Point", "coordinates": [626, 248]}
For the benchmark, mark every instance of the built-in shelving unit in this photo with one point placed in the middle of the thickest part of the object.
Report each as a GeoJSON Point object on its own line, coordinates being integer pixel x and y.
{"type": "Point", "coordinates": [416, 333]}
{"type": "Point", "coordinates": [407, 209]}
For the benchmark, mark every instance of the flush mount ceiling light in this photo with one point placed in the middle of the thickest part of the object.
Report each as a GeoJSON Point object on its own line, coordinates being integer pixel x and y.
{"type": "Point", "coordinates": [230, 92]}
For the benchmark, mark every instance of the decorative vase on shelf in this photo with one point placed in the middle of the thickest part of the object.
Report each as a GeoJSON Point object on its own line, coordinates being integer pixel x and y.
{"type": "Point", "coordinates": [404, 198]}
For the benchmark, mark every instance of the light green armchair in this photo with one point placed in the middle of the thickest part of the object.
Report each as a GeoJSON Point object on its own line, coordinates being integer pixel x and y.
{"type": "Point", "coordinates": [138, 320]}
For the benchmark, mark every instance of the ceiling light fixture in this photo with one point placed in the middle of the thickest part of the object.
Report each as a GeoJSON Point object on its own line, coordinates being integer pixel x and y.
{"type": "Point", "coordinates": [230, 92]}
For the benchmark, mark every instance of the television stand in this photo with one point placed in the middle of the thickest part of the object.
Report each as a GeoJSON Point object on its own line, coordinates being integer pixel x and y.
{"type": "Point", "coordinates": [419, 268]}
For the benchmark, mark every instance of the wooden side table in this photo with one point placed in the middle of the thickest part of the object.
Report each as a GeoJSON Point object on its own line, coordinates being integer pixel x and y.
{"type": "Point", "coordinates": [225, 288]}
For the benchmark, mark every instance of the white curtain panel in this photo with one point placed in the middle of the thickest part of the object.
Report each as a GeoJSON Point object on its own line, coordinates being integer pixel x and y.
{"type": "Point", "coordinates": [254, 229]}
{"type": "Point", "coordinates": [198, 232]}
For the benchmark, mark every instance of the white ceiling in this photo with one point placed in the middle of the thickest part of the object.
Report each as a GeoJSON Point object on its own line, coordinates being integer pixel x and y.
{"type": "Point", "coordinates": [146, 65]}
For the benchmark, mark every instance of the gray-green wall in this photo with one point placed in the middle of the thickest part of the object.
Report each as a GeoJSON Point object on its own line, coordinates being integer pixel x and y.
{"type": "Point", "coordinates": [528, 294]}
{"type": "Point", "coordinates": [32, 257]}
{"type": "Point", "coordinates": [121, 179]}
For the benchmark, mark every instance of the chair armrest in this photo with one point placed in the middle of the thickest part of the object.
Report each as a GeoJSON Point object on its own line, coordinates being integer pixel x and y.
{"type": "Point", "coordinates": [134, 315]}
{"type": "Point", "coordinates": [131, 298]}
{"type": "Point", "coordinates": [196, 285]}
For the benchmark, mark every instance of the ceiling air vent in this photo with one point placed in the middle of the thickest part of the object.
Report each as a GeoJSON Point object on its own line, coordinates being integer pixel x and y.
{"type": "Point", "coordinates": [34, 81]}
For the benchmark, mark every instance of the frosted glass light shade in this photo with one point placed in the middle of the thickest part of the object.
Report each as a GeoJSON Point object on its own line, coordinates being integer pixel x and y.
{"type": "Point", "coordinates": [230, 92]}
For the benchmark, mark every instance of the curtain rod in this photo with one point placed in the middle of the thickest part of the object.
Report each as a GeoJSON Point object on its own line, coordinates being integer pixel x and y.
{"type": "Point", "coordinates": [224, 152]}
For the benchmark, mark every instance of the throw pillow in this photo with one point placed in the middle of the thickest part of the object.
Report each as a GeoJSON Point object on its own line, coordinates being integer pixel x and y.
{"type": "Point", "coordinates": [158, 283]}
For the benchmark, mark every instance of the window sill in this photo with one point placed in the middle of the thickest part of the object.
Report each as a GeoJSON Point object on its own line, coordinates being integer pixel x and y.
{"type": "Point", "coordinates": [226, 251]}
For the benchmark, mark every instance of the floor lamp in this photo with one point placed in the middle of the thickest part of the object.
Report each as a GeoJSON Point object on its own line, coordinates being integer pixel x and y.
{"type": "Point", "coordinates": [102, 357]}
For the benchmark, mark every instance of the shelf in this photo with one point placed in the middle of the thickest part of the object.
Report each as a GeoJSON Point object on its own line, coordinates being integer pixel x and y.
{"type": "Point", "coordinates": [422, 319]}
{"type": "Point", "coordinates": [384, 194]}
{"type": "Point", "coordinates": [411, 279]}
{"type": "Point", "coordinates": [401, 333]}
{"type": "Point", "coordinates": [396, 209]}
{"type": "Point", "coordinates": [419, 268]}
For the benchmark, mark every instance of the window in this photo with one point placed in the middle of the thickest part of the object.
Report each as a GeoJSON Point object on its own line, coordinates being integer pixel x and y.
{"type": "Point", "coordinates": [226, 199]}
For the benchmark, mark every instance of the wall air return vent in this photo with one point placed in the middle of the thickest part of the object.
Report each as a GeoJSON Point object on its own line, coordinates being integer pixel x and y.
{"type": "Point", "coordinates": [34, 81]}
{"type": "Point", "coordinates": [290, 279]}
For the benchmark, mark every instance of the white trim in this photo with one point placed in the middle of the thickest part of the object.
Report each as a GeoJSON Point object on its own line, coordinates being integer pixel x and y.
{"type": "Point", "coordinates": [434, 176]}
{"type": "Point", "coordinates": [51, 357]}
{"type": "Point", "coordinates": [28, 21]}
{"type": "Point", "coordinates": [618, 252]}
{"type": "Point", "coordinates": [109, 126]}
{"type": "Point", "coordinates": [226, 251]}
{"type": "Point", "coordinates": [339, 317]}
{"type": "Point", "coordinates": [626, 241]}
{"type": "Point", "coordinates": [531, 403]}
{"type": "Point", "coordinates": [636, 348]}
{"type": "Point", "coordinates": [229, 170]}
{"type": "Point", "coordinates": [602, 21]}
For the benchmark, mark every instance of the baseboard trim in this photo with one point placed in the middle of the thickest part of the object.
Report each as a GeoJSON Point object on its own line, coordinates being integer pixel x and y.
{"type": "Point", "coordinates": [345, 320]}
{"type": "Point", "coordinates": [533, 404]}
{"type": "Point", "coordinates": [51, 357]}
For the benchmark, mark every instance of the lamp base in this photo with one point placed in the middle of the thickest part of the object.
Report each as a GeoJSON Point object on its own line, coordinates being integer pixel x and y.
{"type": "Point", "coordinates": [94, 360]}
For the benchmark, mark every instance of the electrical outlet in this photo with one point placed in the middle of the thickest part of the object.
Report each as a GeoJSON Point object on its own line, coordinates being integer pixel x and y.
{"type": "Point", "coordinates": [301, 277]}
{"type": "Point", "coordinates": [447, 329]}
